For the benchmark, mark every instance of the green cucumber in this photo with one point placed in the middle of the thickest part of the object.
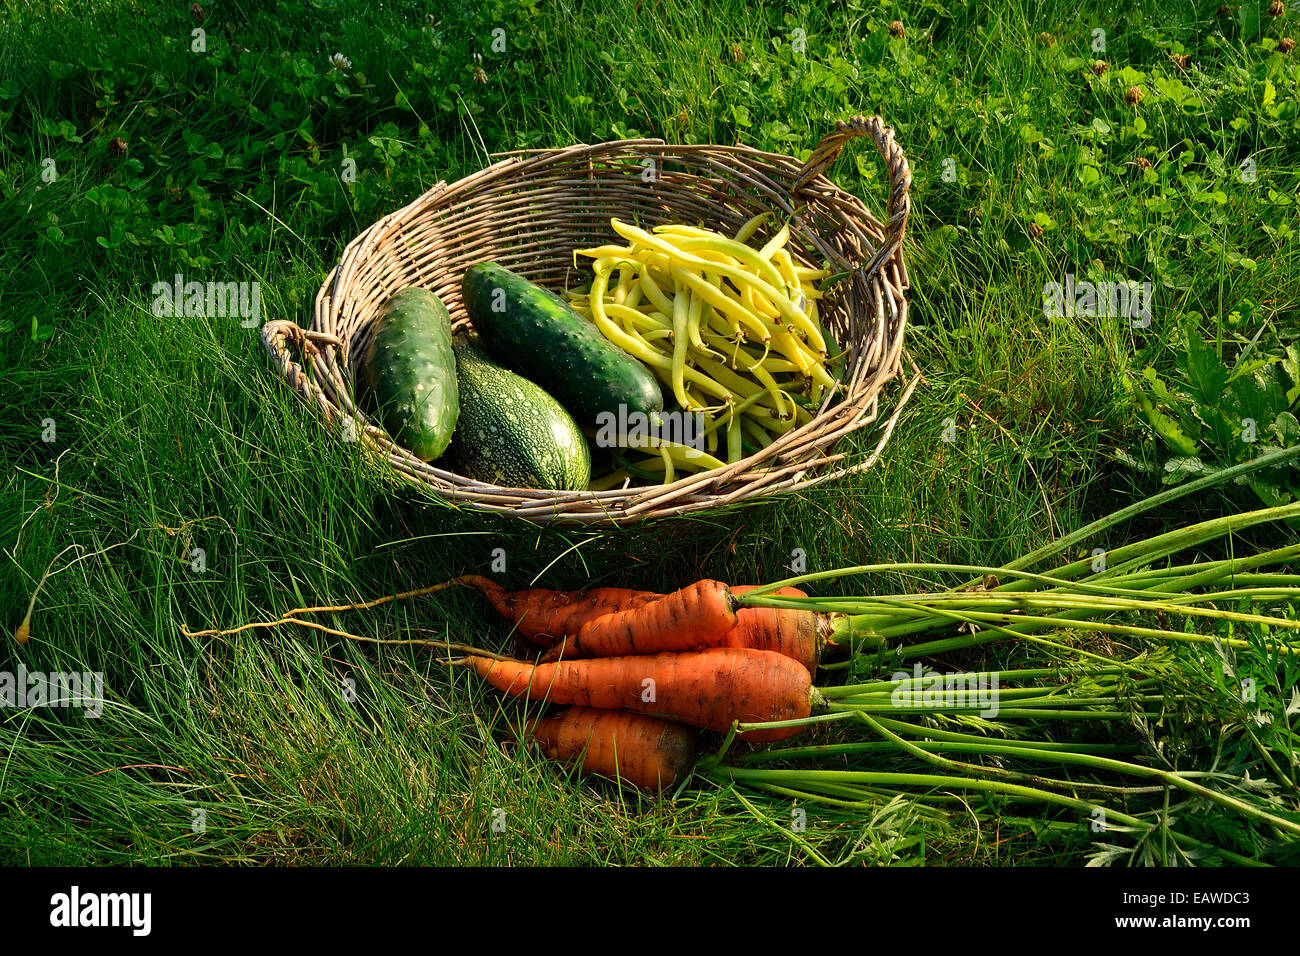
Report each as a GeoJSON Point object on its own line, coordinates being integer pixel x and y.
{"type": "Point", "coordinates": [532, 331]}
{"type": "Point", "coordinates": [511, 432]}
{"type": "Point", "coordinates": [410, 373]}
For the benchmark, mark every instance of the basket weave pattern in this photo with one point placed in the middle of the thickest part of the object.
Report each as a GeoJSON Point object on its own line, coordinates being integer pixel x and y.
{"type": "Point", "coordinates": [530, 211]}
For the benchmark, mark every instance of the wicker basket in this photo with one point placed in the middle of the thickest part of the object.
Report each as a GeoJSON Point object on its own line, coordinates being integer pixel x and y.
{"type": "Point", "coordinates": [529, 211]}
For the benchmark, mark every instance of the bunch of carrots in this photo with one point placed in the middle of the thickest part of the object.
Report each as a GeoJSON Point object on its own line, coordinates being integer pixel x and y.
{"type": "Point", "coordinates": [638, 668]}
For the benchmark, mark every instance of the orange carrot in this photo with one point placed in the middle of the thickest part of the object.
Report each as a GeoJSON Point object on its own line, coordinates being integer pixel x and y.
{"type": "Point", "coordinates": [544, 616]}
{"type": "Point", "coordinates": [796, 634]}
{"type": "Point", "coordinates": [708, 688]}
{"type": "Point", "coordinates": [647, 752]}
{"type": "Point", "coordinates": [701, 615]}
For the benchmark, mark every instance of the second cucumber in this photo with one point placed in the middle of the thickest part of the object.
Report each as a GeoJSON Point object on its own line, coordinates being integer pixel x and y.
{"type": "Point", "coordinates": [532, 331]}
{"type": "Point", "coordinates": [511, 433]}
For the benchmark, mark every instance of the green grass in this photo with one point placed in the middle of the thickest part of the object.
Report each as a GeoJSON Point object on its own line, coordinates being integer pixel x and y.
{"type": "Point", "coordinates": [173, 434]}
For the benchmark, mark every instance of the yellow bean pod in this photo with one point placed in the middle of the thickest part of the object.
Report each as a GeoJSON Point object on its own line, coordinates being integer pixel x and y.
{"type": "Point", "coordinates": [722, 303]}
{"type": "Point", "coordinates": [682, 456]}
{"type": "Point", "coordinates": [614, 479]}
{"type": "Point", "coordinates": [741, 255]}
{"type": "Point", "coordinates": [776, 243]}
{"type": "Point", "coordinates": [754, 430]}
{"type": "Point", "coordinates": [655, 294]}
{"type": "Point", "coordinates": [750, 226]}
{"type": "Point", "coordinates": [735, 451]}
{"type": "Point", "coordinates": [681, 307]}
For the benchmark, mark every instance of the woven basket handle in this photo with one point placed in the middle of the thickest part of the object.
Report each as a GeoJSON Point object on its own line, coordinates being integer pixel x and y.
{"type": "Point", "coordinates": [279, 336]}
{"type": "Point", "coordinates": [900, 175]}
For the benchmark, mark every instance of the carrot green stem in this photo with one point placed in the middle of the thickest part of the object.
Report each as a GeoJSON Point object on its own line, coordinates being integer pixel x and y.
{"type": "Point", "coordinates": [1170, 778]}
{"type": "Point", "coordinates": [1019, 624]}
{"type": "Point", "coordinates": [997, 748]}
{"type": "Point", "coordinates": [999, 773]}
{"type": "Point", "coordinates": [1001, 712]}
{"type": "Point", "coordinates": [1030, 673]}
{"type": "Point", "coordinates": [1068, 541]}
{"type": "Point", "coordinates": [1087, 808]}
{"type": "Point", "coordinates": [936, 733]}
